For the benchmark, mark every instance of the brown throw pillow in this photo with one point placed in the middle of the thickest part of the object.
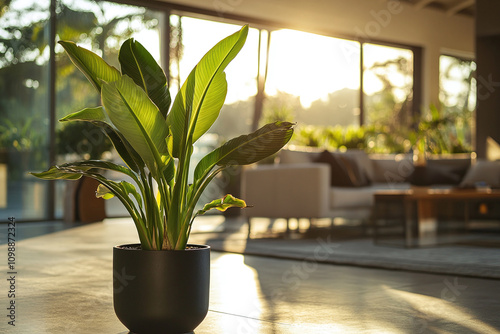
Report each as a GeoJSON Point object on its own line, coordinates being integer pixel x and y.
{"type": "Point", "coordinates": [340, 176]}
{"type": "Point", "coordinates": [356, 173]}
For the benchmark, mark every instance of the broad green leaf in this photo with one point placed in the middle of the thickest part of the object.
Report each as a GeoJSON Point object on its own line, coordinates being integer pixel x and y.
{"type": "Point", "coordinates": [222, 204]}
{"type": "Point", "coordinates": [96, 114]}
{"type": "Point", "coordinates": [170, 144]}
{"type": "Point", "coordinates": [122, 195]}
{"type": "Point", "coordinates": [137, 63]}
{"type": "Point", "coordinates": [104, 192]}
{"type": "Point", "coordinates": [209, 109]}
{"type": "Point", "coordinates": [131, 158]}
{"type": "Point", "coordinates": [98, 117]}
{"type": "Point", "coordinates": [91, 65]}
{"type": "Point", "coordinates": [247, 149]}
{"type": "Point", "coordinates": [179, 117]}
{"type": "Point", "coordinates": [74, 170]}
{"type": "Point", "coordinates": [189, 116]}
{"type": "Point", "coordinates": [55, 173]}
{"type": "Point", "coordinates": [169, 171]}
{"type": "Point", "coordinates": [129, 188]}
{"type": "Point", "coordinates": [138, 120]}
{"type": "Point", "coordinates": [85, 165]}
{"type": "Point", "coordinates": [211, 106]}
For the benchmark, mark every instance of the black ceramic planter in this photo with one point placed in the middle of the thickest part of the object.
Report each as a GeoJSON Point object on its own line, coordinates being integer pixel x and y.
{"type": "Point", "coordinates": [161, 291]}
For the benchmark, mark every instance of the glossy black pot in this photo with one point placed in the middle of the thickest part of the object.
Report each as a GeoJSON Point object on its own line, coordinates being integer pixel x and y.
{"type": "Point", "coordinates": [161, 291]}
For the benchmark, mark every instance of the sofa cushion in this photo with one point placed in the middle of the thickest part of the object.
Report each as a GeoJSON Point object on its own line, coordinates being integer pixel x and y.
{"type": "Point", "coordinates": [433, 175]}
{"type": "Point", "coordinates": [341, 197]}
{"type": "Point", "coordinates": [391, 168]}
{"type": "Point", "coordinates": [341, 175]}
{"type": "Point", "coordinates": [458, 165]}
{"type": "Point", "coordinates": [484, 171]}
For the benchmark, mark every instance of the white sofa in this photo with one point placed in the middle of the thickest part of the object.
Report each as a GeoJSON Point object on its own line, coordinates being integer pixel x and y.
{"type": "Point", "coordinates": [298, 187]}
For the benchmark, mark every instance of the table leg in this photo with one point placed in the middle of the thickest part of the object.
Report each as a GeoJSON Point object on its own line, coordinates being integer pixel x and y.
{"type": "Point", "coordinates": [408, 223]}
{"type": "Point", "coordinates": [427, 222]}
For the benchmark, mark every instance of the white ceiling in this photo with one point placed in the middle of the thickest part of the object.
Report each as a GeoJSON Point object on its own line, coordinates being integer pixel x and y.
{"type": "Point", "coordinates": [450, 7]}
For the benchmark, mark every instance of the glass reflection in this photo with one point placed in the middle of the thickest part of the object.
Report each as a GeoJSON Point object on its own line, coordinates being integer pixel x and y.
{"type": "Point", "coordinates": [23, 108]}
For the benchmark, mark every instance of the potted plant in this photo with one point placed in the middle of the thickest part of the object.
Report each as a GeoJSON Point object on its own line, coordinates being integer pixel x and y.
{"type": "Point", "coordinates": [167, 280]}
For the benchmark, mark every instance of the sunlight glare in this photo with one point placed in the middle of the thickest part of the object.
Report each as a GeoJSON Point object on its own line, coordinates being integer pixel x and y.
{"type": "Point", "coordinates": [238, 293]}
{"type": "Point", "coordinates": [441, 310]}
{"type": "Point", "coordinates": [379, 54]}
{"type": "Point", "coordinates": [309, 66]}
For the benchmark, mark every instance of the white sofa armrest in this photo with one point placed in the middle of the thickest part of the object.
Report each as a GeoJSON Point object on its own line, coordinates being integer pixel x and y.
{"type": "Point", "coordinates": [287, 191]}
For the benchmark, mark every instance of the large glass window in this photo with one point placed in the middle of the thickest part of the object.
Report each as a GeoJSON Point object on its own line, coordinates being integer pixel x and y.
{"type": "Point", "coordinates": [457, 95]}
{"type": "Point", "coordinates": [312, 78]}
{"type": "Point", "coordinates": [388, 117]}
{"type": "Point", "coordinates": [24, 115]}
{"type": "Point", "coordinates": [387, 85]}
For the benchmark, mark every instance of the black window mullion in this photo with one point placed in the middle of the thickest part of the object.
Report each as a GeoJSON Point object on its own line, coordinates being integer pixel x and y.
{"type": "Point", "coordinates": [361, 86]}
{"type": "Point", "coordinates": [51, 189]}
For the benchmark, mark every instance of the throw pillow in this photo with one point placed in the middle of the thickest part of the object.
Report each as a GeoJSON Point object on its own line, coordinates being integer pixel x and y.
{"type": "Point", "coordinates": [356, 172]}
{"type": "Point", "coordinates": [339, 176]}
{"type": "Point", "coordinates": [483, 171]}
{"type": "Point", "coordinates": [363, 162]}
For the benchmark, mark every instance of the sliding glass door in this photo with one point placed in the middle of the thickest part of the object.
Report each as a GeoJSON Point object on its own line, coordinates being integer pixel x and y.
{"type": "Point", "coordinates": [24, 109]}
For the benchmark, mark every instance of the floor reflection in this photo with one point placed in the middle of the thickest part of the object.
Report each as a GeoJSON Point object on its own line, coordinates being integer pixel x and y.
{"type": "Point", "coordinates": [238, 292]}
{"type": "Point", "coordinates": [435, 310]}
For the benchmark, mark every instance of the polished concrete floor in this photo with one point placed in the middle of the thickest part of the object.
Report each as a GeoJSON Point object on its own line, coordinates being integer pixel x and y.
{"type": "Point", "coordinates": [64, 285]}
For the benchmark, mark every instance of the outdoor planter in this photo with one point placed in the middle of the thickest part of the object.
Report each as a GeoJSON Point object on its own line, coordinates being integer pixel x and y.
{"type": "Point", "coordinates": [161, 291]}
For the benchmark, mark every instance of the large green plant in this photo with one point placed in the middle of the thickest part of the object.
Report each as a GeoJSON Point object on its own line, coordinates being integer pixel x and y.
{"type": "Point", "coordinates": [156, 141]}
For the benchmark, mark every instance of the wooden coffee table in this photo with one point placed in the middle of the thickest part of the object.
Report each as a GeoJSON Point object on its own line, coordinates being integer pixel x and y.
{"type": "Point", "coordinates": [420, 206]}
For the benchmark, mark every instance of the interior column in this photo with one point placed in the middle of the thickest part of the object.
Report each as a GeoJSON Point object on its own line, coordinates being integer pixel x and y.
{"type": "Point", "coordinates": [488, 76]}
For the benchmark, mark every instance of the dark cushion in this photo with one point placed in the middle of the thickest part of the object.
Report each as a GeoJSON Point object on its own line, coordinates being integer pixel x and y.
{"type": "Point", "coordinates": [433, 175]}
{"type": "Point", "coordinates": [356, 172]}
{"type": "Point", "coordinates": [342, 170]}
{"type": "Point", "coordinates": [455, 166]}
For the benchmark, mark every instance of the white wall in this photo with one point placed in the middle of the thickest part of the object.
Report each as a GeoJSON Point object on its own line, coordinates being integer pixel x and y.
{"type": "Point", "coordinates": [384, 20]}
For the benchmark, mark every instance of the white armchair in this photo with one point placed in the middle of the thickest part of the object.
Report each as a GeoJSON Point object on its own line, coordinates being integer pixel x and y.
{"type": "Point", "coordinates": [287, 191]}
